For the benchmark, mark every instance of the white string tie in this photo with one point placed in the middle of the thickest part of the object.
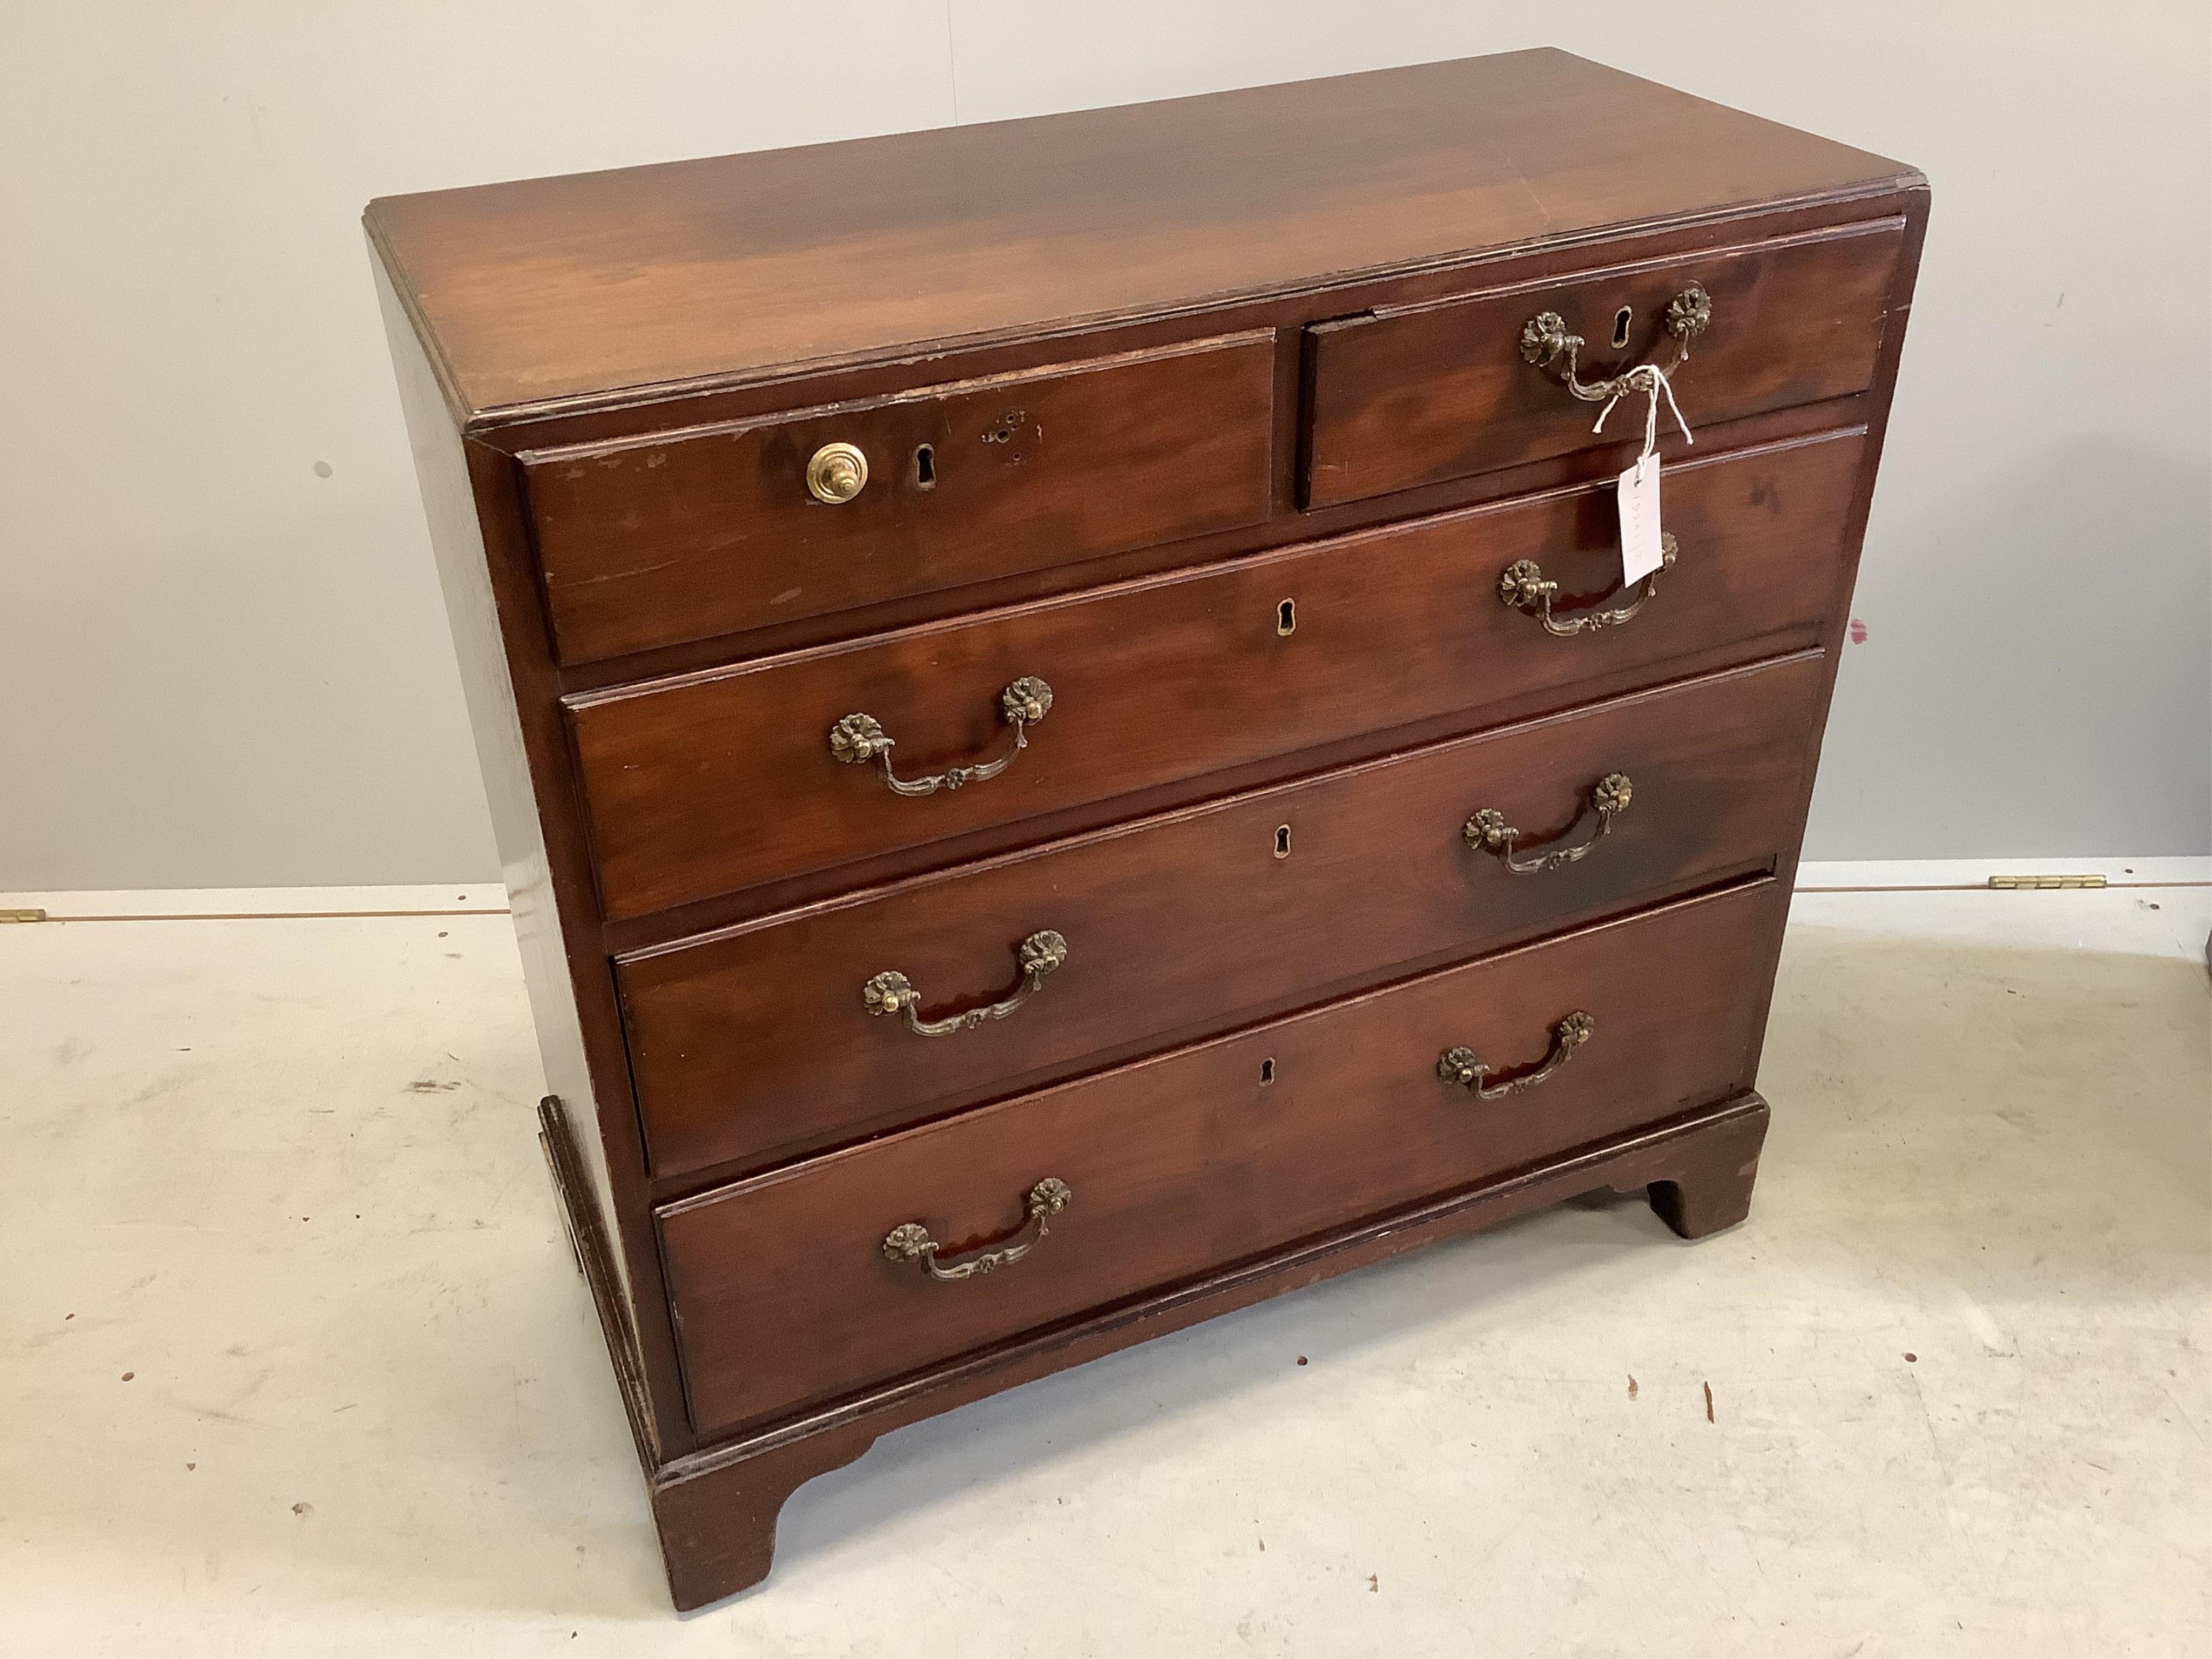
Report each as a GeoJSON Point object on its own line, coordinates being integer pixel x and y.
{"type": "Point", "coordinates": [1652, 380]}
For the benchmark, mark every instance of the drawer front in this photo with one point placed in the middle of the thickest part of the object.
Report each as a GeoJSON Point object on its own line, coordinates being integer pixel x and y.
{"type": "Point", "coordinates": [1416, 396]}
{"type": "Point", "coordinates": [758, 1044]}
{"type": "Point", "coordinates": [653, 541]}
{"type": "Point", "coordinates": [785, 1294]}
{"type": "Point", "coordinates": [716, 782]}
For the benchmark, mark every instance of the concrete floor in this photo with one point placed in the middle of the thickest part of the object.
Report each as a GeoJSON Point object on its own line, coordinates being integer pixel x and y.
{"type": "Point", "coordinates": [293, 1360]}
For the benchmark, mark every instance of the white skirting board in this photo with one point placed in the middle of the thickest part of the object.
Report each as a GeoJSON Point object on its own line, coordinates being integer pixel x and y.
{"type": "Point", "coordinates": [1907, 875]}
{"type": "Point", "coordinates": [243, 903]}
{"type": "Point", "coordinates": [1843, 875]}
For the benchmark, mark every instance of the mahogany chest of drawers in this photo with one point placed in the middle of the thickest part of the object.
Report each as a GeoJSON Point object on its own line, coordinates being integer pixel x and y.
{"type": "Point", "coordinates": [1070, 737]}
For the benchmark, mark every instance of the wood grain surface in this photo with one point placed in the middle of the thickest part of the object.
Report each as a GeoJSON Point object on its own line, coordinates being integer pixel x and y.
{"type": "Point", "coordinates": [752, 1045]}
{"type": "Point", "coordinates": [1407, 396]}
{"type": "Point", "coordinates": [1195, 1159]}
{"type": "Point", "coordinates": [657, 540]}
{"type": "Point", "coordinates": [1259, 442]}
{"type": "Point", "coordinates": [548, 291]}
{"type": "Point", "coordinates": [714, 782]}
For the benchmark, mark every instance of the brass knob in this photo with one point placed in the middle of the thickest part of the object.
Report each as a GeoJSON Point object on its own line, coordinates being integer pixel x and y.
{"type": "Point", "coordinates": [836, 474]}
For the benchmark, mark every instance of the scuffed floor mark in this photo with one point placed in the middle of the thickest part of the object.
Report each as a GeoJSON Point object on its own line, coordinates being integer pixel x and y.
{"type": "Point", "coordinates": [1985, 1328]}
{"type": "Point", "coordinates": [166, 1083]}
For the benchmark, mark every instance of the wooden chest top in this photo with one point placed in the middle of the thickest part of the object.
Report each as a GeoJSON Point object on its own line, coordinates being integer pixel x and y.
{"type": "Point", "coordinates": [548, 294]}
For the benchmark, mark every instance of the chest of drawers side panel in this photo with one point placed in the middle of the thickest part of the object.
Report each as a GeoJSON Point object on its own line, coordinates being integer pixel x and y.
{"type": "Point", "coordinates": [468, 498]}
{"type": "Point", "coordinates": [1898, 307]}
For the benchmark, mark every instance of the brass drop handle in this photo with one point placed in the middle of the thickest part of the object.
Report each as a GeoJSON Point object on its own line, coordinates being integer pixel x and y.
{"type": "Point", "coordinates": [892, 992]}
{"type": "Point", "coordinates": [1523, 585]}
{"type": "Point", "coordinates": [1460, 1066]}
{"type": "Point", "coordinates": [1544, 340]}
{"type": "Point", "coordinates": [910, 1241]}
{"type": "Point", "coordinates": [859, 739]}
{"type": "Point", "coordinates": [837, 473]}
{"type": "Point", "coordinates": [1487, 831]}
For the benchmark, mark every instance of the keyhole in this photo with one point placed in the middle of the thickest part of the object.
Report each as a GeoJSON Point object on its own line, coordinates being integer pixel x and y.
{"type": "Point", "coordinates": [1287, 617]}
{"type": "Point", "coordinates": [1282, 841]}
{"type": "Point", "coordinates": [925, 468]}
{"type": "Point", "coordinates": [1267, 1071]}
{"type": "Point", "coordinates": [1621, 318]}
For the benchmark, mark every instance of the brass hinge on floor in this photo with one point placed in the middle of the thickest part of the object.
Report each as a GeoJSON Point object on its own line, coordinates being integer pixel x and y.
{"type": "Point", "coordinates": [23, 915]}
{"type": "Point", "coordinates": [2042, 882]}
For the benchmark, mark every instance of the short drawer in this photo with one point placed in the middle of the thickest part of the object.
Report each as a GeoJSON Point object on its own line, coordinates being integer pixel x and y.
{"type": "Point", "coordinates": [683, 536]}
{"type": "Point", "coordinates": [761, 1043]}
{"type": "Point", "coordinates": [715, 782]}
{"type": "Point", "coordinates": [800, 1286]}
{"type": "Point", "coordinates": [1417, 395]}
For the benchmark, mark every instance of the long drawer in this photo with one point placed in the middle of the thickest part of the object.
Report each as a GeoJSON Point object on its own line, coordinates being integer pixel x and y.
{"type": "Point", "coordinates": [1415, 394]}
{"type": "Point", "coordinates": [805, 1284]}
{"type": "Point", "coordinates": [680, 536]}
{"type": "Point", "coordinates": [715, 782]}
{"type": "Point", "coordinates": [761, 1043]}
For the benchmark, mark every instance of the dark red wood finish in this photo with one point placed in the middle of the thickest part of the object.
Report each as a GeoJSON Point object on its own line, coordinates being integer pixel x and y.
{"type": "Point", "coordinates": [717, 782]}
{"type": "Point", "coordinates": [717, 1508]}
{"type": "Point", "coordinates": [1195, 1160]}
{"type": "Point", "coordinates": [1409, 395]}
{"type": "Point", "coordinates": [653, 541]}
{"type": "Point", "coordinates": [621, 317]}
{"type": "Point", "coordinates": [558, 292]}
{"type": "Point", "coordinates": [752, 1046]}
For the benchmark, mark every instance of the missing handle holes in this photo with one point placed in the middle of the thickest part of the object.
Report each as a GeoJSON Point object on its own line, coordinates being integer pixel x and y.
{"type": "Point", "coordinates": [1267, 1071]}
{"type": "Point", "coordinates": [925, 468]}
{"type": "Point", "coordinates": [1287, 617]}
{"type": "Point", "coordinates": [1621, 320]}
{"type": "Point", "coordinates": [1282, 841]}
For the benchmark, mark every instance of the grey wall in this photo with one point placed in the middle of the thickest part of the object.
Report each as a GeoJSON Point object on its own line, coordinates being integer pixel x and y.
{"type": "Point", "coordinates": [223, 656]}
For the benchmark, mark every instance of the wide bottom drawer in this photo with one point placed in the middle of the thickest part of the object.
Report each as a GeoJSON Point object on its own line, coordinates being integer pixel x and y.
{"type": "Point", "coordinates": [818, 1280]}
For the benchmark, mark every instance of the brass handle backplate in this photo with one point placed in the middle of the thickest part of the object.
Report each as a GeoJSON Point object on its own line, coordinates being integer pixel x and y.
{"type": "Point", "coordinates": [892, 992]}
{"type": "Point", "coordinates": [1461, 1067]}
{"type": "Point", "coordinates": [859, 739]}
{"type": "Point", "coordinates": [1545, 341]}
{"type": "Point", "coordinates": [1523, 585]}
{"type": "Point", "coordinates": [1487, 831]}
{"type": "Point", "coordinates": [837, 473]}
{"type": "Point", "coordinates": [910, 1241]}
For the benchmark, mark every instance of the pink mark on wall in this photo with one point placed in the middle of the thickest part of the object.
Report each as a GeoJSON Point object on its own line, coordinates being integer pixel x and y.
{"type": "Point", "coordinates": [1858, 632]}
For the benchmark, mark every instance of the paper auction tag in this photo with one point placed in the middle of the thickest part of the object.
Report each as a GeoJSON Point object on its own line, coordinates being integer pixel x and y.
{"type": "Point", "coordinates": [1639, 521]}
